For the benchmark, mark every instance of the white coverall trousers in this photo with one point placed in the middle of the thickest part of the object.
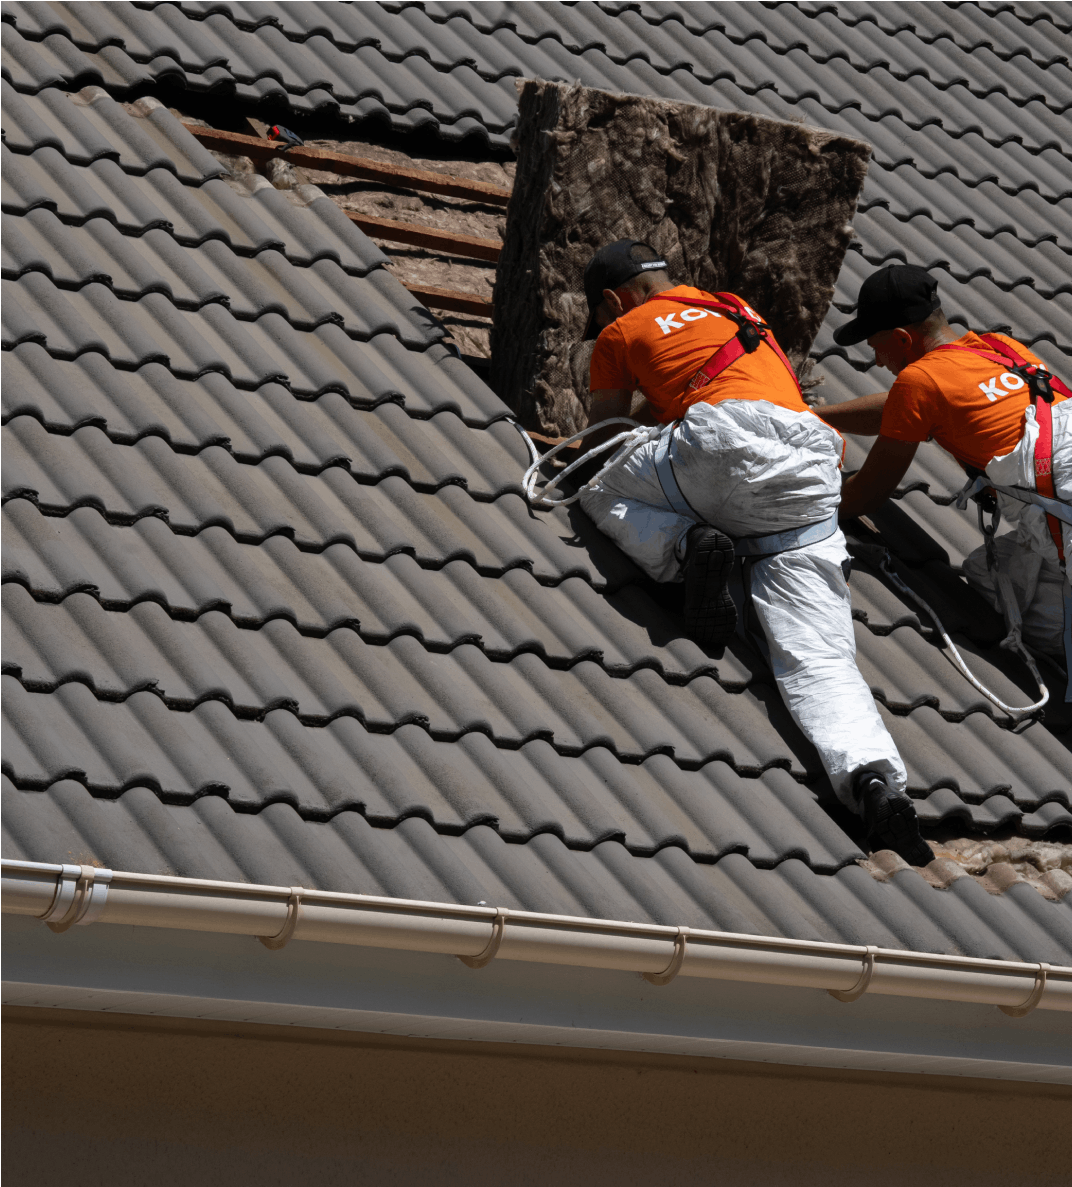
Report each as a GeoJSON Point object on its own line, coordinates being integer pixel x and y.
{"type": "Point", "coordinates": [750, 468]}
{"type": "Point", "coordinates": [1027, 555]}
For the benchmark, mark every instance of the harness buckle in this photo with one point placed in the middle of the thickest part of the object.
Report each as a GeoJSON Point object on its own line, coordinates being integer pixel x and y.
{"type": "Point", "coordinates": [750, 337]}
{"type": "Point", "coordinates": [1038, 382]}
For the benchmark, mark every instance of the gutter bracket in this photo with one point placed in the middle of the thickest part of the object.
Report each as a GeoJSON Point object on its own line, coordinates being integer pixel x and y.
{"type": "Point", "coordinates": [681, 943]}
{"type": "Point", "coordinates": [864, 982]}
{"type": "Point", "coordinates": [290, 924]}
{"type": "Point", "coordinates": [81, 893]}
{"type": "Point", "coordinates": [498, 927]}
{"type": "Point", "coordinates": [1034, 997]}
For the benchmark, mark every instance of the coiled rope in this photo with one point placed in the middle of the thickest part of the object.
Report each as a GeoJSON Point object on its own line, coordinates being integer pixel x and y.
{"type": "Point", "coordinates": [628, 442]}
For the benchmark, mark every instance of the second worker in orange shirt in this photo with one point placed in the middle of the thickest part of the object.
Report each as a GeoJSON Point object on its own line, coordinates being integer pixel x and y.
{"type": "Point", "coordinates": [743, 469]}
{"type": "Point", "coordinates": [991, 403]}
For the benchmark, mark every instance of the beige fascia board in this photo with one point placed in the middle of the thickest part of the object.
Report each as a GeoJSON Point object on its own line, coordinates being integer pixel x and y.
{"type": "Point", "coordinates": [66, 896]}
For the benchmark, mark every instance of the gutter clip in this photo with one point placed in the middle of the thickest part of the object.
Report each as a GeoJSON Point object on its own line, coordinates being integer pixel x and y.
{"type": "Point", "coordinates": [80, 897]}
{"type": "Point", "coordinates": [498, 927]}
{"type": "Point", "coordinates": [861, 986]}
{"type": "Point", "coordinates": [1034, 997]}
{"type": "Point", "coordinates": [290, 924]}
{"type": "Point", "coordinates": [681, 942]}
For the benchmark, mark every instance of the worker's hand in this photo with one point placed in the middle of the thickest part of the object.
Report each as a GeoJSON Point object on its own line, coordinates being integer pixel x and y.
{"type": "Point", "coordinates": [862, 416]}
{"type": "Point", "coordinates": [606, 404]}
{"type": "Point", "coordinates": [877, 478]}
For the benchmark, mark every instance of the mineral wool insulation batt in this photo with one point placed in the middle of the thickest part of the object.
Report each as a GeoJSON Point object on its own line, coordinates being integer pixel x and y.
{"type": "Point", "coordinates": [735, 202]}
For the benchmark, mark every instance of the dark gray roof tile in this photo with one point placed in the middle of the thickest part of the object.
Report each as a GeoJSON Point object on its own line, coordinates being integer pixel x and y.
{"type": "Point", "coordinates": [191, 413]}
{"type": "Point", "coordinates": [1031, 766]}
{"type": "Point", "coordinates": [385, 686]}
{"type": "Point", "coordinates": [251, 353]}
{"type": "Point", "coordinates": [52, 62]}
{"type": "Point", "coordinates": [90, 125]}
{"type": "Point", "coordinates": [905, 671]}
{"type": "Point", "coordinates": [65, 395]}
{"type": "Point", "coordinates": [944, 806]}
{"type": "Point", "coordinates": [251, 217]}
{"type": "Point", "coordinates": [255, 502]}
{"type": "Point", "coordinates": [70, 733]}
{"type": "Point", "coordinates": [53, 557]}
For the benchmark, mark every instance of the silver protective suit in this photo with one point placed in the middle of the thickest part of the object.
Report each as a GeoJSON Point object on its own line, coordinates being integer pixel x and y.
{"type": "Point", "coordinates": [750, 468]}
{"type": "Point", "coordinates": [1027, 553]}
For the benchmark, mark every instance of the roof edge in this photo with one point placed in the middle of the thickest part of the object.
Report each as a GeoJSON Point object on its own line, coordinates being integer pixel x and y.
{"type": "Point", "coordinates": [63, 896]}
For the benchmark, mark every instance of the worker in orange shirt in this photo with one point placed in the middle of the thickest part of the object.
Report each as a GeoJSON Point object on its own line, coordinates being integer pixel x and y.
{"type": "Point", "coordinates": [992, 404]}
{"type": "Point", "coordinates": [743, 468]}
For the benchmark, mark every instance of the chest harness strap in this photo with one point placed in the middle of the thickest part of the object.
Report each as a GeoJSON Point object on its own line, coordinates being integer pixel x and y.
{"type": "Point", "coordinates": [1041, 385]}
{"type": "Point", "coordinates": [751, 334]}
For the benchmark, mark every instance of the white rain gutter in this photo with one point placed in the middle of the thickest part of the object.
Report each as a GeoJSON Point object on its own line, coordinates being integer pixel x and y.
{"type": "Point", "coordinates": [69, 895]}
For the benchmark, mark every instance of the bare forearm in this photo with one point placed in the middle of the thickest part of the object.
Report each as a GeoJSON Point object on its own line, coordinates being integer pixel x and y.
{"type": "Point", "coordinates": [862, 416]}
{"type": "Point", "coordinates": [857, 499]}
{"type": "Point", "coordinates": [608, 405]}
{"type": "Point", "coordinates": [877, 479]}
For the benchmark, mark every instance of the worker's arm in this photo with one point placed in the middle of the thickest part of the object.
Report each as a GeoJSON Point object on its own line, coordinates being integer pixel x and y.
{"type": "Point", "coordinates": [607, 403]}
{"type": "Point", "coordinates": [862, 416]}
{"type": "Point", "coordinates": [877, 478]}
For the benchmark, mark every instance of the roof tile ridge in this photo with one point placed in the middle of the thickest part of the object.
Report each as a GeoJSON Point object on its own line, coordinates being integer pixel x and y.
{"type": "Point", "coordinates": [379, 640]}
{"type": "Point", "coordinates": [960, 276]}
{"type": "Point", "coordinates": [1010, 228]}
{"type": "Point", "coordinates": [820, 59]}
{"type": "Point", "coordinates": [329, 318]}
{"type": "Point", "coordinates": [324, 721]}
{"type": "Point", "coordinates": [123, 519]}
{"type": "Point", "coordinates": [129, 441]}
{"type": "Point", "coordinates": [326, 815]}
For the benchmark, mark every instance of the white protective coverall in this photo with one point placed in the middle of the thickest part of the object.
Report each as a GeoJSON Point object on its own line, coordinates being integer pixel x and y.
{"type": "Point", "coordinates": [1027, 554]}
{"type": "Point", "coordinates": [751, 468]}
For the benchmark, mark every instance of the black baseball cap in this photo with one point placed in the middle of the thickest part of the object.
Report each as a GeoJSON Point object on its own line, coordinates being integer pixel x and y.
{"type": "Point", "coordinates": [897, 295]}
{"type": "Point", "coordinates": [610, 268]}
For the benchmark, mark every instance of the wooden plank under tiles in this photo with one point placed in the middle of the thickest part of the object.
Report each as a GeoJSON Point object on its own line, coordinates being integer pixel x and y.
{"type": "Point", "coordinates": [333, 162]}
{"type": "Point", "coordinates": [422, 236]}
{"type": "Point", "coordinates": [453, 300]}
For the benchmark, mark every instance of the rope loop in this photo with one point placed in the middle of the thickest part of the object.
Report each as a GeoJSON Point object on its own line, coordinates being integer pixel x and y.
{"type": "Point", "coordinates": [1012, 642]}
{"type": "Point", "coordinates": [632, 439]}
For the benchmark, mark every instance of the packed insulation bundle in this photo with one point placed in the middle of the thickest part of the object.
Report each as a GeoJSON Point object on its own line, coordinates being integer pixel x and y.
{"type": "Point", "coordinates": [734, 201]}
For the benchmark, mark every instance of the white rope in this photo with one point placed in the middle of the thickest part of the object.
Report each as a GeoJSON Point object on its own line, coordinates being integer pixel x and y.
{"type": "Point", "coordinates": [1011, 642]}
{"type": "Point", "coordinates": [636, 436]}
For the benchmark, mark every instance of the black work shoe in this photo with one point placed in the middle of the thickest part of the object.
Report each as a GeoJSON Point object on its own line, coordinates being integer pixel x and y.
{"type": "Point", "coordinates": [710, 615]}
{"type": "Point", "coordinates": [890, 817]}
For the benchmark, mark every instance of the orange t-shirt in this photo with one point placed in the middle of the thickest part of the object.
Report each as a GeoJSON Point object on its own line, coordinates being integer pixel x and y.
{"type": "Point", "coordinates": [659, 346]}
{"type": "Point", "coordinates": [972, 407]}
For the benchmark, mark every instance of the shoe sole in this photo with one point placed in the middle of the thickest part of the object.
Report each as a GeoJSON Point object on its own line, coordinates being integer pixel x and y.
{"type": "Point", "coordinates": [897, 827]}
{"type": "Point", "coordinates": [710, 615]}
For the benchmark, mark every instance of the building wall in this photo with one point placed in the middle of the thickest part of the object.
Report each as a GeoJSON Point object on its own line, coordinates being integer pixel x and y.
{"type": "Point", "coordinates": [124, 1100]}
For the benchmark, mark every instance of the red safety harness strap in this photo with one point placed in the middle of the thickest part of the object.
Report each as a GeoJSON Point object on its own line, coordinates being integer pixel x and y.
{"type": "Point", "coordinates": [1043, 416]}
{"type": "Point", "coordinates": [1044, 468]}
{"type": "Point", "coordinates": [729, 352]}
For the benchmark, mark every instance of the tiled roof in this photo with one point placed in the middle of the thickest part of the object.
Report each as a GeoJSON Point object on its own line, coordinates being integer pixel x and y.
{"type": "Point", "coordinates": [275, 606]}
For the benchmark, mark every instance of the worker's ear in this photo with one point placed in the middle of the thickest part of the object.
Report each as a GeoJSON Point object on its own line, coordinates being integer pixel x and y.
{"type": "Point", "coordinates": [613, 303]}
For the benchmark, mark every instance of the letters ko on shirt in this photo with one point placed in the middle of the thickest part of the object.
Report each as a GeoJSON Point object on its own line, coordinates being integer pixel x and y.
{"type": "Point", "coordinates": [670, 322]}
{"type": "Point", "coordinates": [1009, 383]}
